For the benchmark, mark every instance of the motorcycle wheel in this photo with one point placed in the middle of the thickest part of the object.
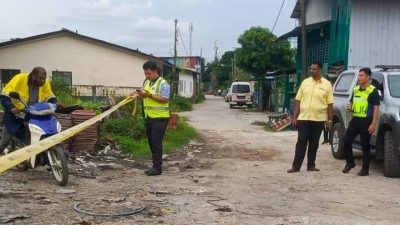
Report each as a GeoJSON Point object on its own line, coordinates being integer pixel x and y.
{"type": "Point", "coordinates": [59, 165]}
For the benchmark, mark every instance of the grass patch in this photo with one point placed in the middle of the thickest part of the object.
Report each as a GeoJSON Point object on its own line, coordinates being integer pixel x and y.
{"type": "Point", "coordinates": [259, 123]}
{"type": "Point", "coordinates": [181, 104]}
{"type": "Point", "coordinates": [200, 98]}
{"type": "Point", "coordinates": [265, 125]}
{"type": "Point", "coordinates": [64, 96]}
{"type": "Point", "coordinates": [129, 134]}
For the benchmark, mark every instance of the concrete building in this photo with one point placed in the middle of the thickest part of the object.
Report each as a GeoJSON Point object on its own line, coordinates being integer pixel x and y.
{"type": "Point", "coordinates": [79, 60]}
{"type": "Point", "coordinates": [189, 74]}
{"type": "Point", "coordinates": [187, 83]}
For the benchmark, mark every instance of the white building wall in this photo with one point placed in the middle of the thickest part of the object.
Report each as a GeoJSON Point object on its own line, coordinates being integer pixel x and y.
{"type": "Point", "coordinates": [374, 33]}
{"type": "Point", "coordinates": [318, 11]}
{"type": "Point", "coordinates": [186, 84]}
{"type": "Point", "coordinates": [90, 64]}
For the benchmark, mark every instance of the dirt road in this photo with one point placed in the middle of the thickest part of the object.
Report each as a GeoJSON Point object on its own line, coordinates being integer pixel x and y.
{"type": "Point", "coordinates": [234, 174]}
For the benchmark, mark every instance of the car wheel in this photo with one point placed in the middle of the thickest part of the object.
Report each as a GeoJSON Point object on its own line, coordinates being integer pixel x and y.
{"type": "Point", "coordinates": [337, 141]}
{"type": "Point", "coordinates": [391, 157]}
{"type": "Point", "coordinates": [230, 106]}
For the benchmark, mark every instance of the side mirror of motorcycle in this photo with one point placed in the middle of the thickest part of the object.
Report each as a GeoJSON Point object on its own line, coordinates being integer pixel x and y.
{"type": "Point", "coordinates": [14, 95]}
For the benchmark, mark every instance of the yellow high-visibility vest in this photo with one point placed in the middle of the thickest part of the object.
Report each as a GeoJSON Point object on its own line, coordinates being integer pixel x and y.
{"type": "Point", "coordinates": [152, 108]}
{"type": "Point", "coordinates": [19, 83]}
{"type": "Point", "coordinates": [360, 101]}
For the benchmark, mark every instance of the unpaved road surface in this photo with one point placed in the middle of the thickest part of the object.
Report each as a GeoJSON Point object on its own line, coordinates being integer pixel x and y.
{"type": "Point", "coordinates": [235, 173]}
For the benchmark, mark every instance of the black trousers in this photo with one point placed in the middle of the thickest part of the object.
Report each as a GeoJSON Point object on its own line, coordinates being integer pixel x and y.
{"type": "Point", "coordinates": [309, 133]}
{"type": "Point", "coordinates": [358, 126]}
{"type": "Point", "coordinates": [155, 131]}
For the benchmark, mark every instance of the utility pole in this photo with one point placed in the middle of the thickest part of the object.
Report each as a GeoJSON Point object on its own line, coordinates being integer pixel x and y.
{"type": "Point", "coordinates": [233, 67]}
{"type": "Point", "coordinates": [190, 38]}
{"type": "Point", "coordinates": [216, 51]}
{"type": "Point", "coordinates": [201, 69]}
{"type": "Point", "coordinates": [303, 39]}
{"type": "Point", "coordinates": [175, 79]}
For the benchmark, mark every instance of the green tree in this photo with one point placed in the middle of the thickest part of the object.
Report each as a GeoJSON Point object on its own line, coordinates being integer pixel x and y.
{"type": "Point", "coordinates": [261, 52]}
{"type": "Point", "coordinates": [207, 74]}
{"type": "Point", "coordinates": [242, 75]}
{"type": "Point", "coordinates": [224, 69]}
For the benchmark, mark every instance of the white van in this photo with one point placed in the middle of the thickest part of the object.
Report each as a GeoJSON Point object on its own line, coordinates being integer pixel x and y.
{"type": "Point", "coordinates": [240, 94]}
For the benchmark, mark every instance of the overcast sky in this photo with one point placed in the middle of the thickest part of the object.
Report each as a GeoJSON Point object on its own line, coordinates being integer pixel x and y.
{"type": "Point", "coordinates": [147, 24]}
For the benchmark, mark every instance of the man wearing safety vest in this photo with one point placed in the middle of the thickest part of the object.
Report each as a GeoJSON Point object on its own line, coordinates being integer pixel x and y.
{"type": "Point", "coordinates": [32, 88]}
{"type": "Point", "coordinates": [156, 111]}
{"type": "Point", "coordinates": [364, 105]}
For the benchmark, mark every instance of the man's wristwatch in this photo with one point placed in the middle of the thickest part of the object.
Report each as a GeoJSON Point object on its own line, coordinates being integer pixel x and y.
{"type": "Point", "coordinates": [150, 96]}
{"type": "Point", "coordinates": [329, 121]}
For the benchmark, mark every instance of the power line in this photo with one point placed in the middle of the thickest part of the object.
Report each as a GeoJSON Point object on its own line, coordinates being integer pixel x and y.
{"type": "Point", "coordinates": [279, 14]}
{"type": "Point", "coordinates": [183, 43]}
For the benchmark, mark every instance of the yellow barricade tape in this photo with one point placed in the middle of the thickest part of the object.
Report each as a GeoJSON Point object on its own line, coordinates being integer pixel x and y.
{"type": "Point", "coordinates": [10, 160]}
{"type": "Point", "coordinates": [134, 108]}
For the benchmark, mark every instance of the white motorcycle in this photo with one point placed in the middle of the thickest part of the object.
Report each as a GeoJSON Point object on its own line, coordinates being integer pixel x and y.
{"type": "Point", "coordinates": [42, 123]}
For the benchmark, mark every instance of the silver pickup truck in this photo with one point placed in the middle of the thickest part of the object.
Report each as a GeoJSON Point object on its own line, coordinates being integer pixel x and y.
{"type": "Point", "coordinates": [385, 142]}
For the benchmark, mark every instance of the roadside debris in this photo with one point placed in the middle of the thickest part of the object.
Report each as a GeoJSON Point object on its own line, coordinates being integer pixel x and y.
{"type": "Point", "coordinates": [110, 166]}
{"type": "Point", "coordinates": [114, 200]}
{"type": "Point", "coordinates": [224, 208]}
{"type": "Point", "coordinates": [12, 218]}
{"type": "Point", "coordinates": [65, 191]}
{"type": "Point", "coordinates": [220, 208]}
{"type": "Point", "coordinates": [131, 211]}
{"type": "Point", "coordinates": [157, 193]}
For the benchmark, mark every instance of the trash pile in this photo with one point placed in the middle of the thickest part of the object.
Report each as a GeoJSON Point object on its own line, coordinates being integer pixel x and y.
{"type": "Point", "coordinates": [89, 165]}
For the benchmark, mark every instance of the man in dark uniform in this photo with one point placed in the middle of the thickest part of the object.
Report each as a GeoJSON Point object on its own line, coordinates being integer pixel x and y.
{"type": "Point", "coordinates": [364, 105]}
{"type": "Point", "coordinates": [155, 95]}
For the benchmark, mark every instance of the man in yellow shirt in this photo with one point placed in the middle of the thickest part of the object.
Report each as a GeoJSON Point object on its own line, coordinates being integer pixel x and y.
{"type": "Point", "coordinates": [314, 100]}
{"type": "Point", "coordinates": [32, 88]}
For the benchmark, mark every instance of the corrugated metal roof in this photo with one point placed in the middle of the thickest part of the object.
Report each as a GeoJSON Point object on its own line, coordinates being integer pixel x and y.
{"type": "Point", "coordinates": [297, 31]}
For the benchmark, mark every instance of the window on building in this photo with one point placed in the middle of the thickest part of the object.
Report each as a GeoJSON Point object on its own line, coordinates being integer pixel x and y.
{"type": "Point", "coordinates": [62, 76]}
{"type": "Point", "coordinates": [7, 74]}
{"type": "Point", "coordinates": [180, 85]}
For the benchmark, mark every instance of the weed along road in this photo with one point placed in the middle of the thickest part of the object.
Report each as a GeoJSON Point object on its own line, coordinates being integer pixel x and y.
{"type": "Point", "coordinates": [233, 173]}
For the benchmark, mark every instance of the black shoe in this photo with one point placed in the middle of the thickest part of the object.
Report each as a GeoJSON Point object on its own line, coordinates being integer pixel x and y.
{"type": "Point", "coordinates": [293, 170]}
{"type": "Point", "coordinates": [348, 167]}
{"type": "Point", "coordinates": [153, 172]}
{"type": "Point", "coordinates": [313, 169]}
{"type": "Point", "coordinates": [363, 173]}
